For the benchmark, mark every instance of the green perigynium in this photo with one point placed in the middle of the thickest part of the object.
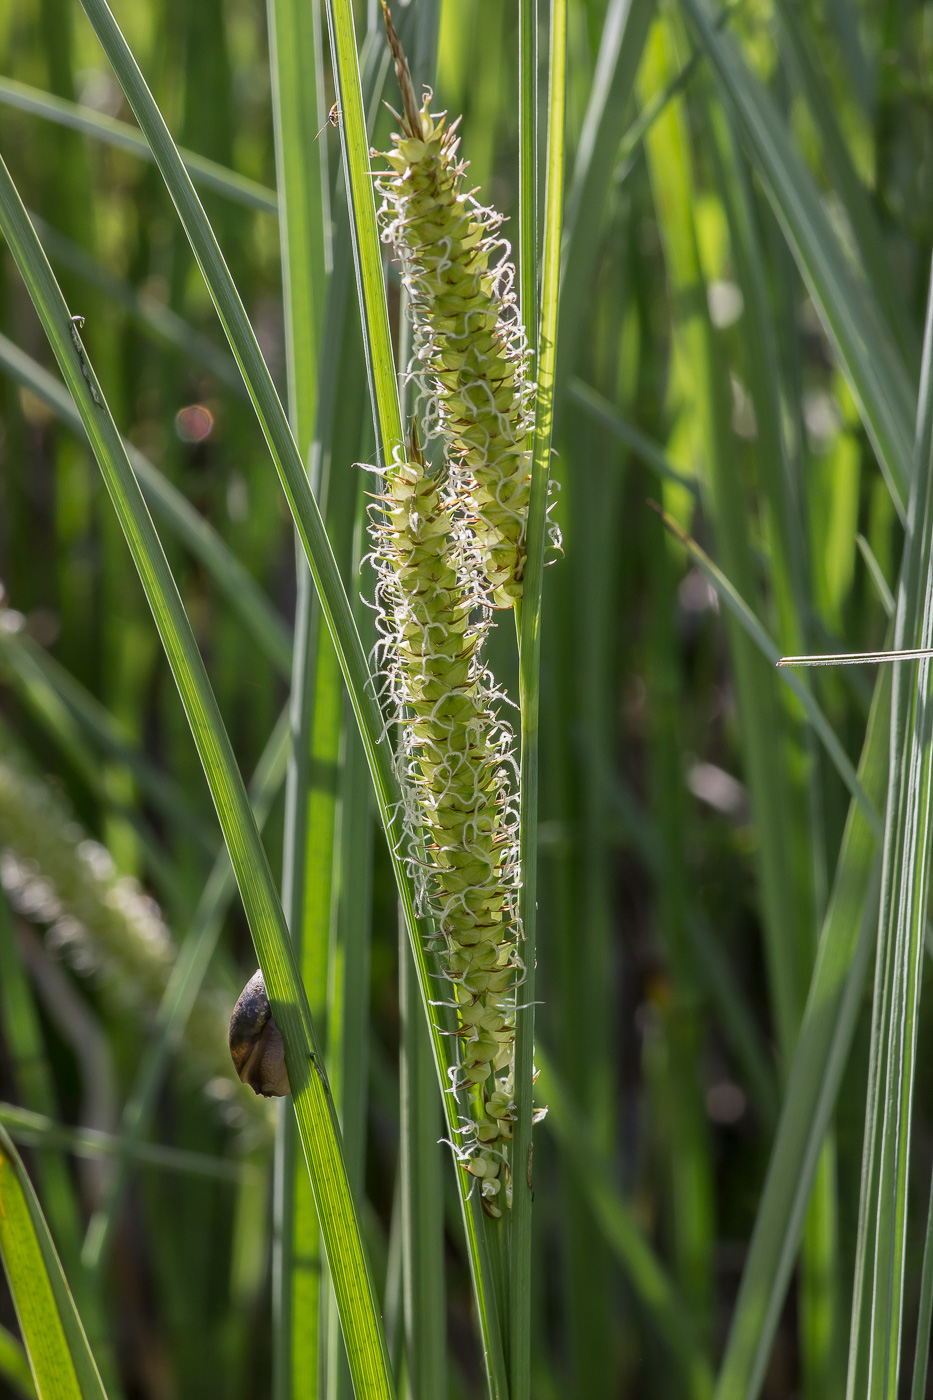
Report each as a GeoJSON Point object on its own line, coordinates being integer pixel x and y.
{"type": "Point", "coordinates": [455, 756]}
{"type": "Point", "coordinates": [470, 357]}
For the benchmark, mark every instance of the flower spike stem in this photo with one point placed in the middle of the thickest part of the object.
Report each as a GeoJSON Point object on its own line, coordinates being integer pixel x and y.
{"type": "Point", "coordinates": [528, 620]}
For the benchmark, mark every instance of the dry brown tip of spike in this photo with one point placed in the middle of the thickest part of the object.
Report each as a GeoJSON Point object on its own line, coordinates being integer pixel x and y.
{"type": "Point", "coordinates": [403, 73]}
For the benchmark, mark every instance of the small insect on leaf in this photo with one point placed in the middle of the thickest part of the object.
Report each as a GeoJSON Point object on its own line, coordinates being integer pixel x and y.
{"type": "Point", "coordinates": [76, 323]}
{"type": "Point", "coordinates": [333, 119]}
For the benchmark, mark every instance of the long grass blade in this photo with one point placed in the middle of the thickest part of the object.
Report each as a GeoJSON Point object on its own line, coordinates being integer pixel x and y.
{"type": "Point", "coordinates": [34, 1088]}
{"type": "Point", "coordinates": [180, 997]}
{"type": "Point", "coordinates": [528, 167]}
{"type": "Point", "coordinates": [161, 322]}
{"type": "Point", "coordinates": [33, 1078]}
{"type": "Point", "coordinates": [14, 1366]}
{"type": "Point", "coordinates": [348, 978]}
{"type": "Point", "coordinates": [649, 1281]}
{"type": "Point", "coordinates": [642, 446]}
{"type": "Point", "coordinates": [751, 625]}
{"type": "Point", "coordinates": [380, 361]}
{"type": "Point", "coordinates": [819, 1059]}
{"type": "Point", "coordinates": [47, 708]}
{"type": "Point", "coordinates": [244, 596]}
{"type": "Point", "coordinates": [621, 46]}
{"type": "Point", "coordinates": [61, 1361]}
{"type": "Point", "coordinates": [313, 1104]}
{"type": "Point", "coordinates": [866, 355]}
{"type": "Point", "coordinates": [820, 1326]}
{"type": "Point", "coordinates": [38, 1130]}
{"type": "Point", "coordinates": [859, 658]}
{"type": "Point", "coordinates": [846, 182]}
{"type": "Point", "coordinates": [265, 399]}
{"type": "Point", "coordinates": [48, 688]}
{"type": "Point", "coordinates": [296, 60]}
{"type": "Point", "coordinates": [704, 393]}
{"type": "Point", "coordinates": [875, 1348]}
{"type": "Point", "coordinates": [120, 134]}
{"type": "Point", "coordinates": [918, 1388]}
{"type": "Point", "coordinates": [422, 1201]}
{"type": "Point", "coordinates": [528, 617]}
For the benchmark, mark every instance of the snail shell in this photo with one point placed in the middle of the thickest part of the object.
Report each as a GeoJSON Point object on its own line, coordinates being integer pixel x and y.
{"type": "Point", "coordinates": [256, 1044]}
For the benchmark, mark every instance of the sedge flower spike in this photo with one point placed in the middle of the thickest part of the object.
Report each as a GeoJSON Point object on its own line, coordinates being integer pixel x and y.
{"type": "Point", "coordinates": [449, 548]}
{"type": "Point", "coordinates": [455, 756]}
{"type": "Point", "coordinates": [470, 355]}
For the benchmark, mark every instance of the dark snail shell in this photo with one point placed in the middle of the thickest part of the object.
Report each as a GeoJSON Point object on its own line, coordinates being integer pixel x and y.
{"type": "Point", "coordinates": [256, 1044]}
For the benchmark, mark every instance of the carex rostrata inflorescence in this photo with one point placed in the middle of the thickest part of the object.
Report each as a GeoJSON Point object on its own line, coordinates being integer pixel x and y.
{"type": "Point", "coordinates": [450, 548]}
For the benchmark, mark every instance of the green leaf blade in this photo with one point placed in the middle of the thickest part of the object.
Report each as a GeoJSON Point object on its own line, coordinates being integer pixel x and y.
{"type": "Point", "coordinates": [62, 1365]}
{"type": "Point", "coordinates": [866, 353]}
{"type": "Point", "coordinates": [877, 1312]}
{"type": "Point", "coordinates": [313, 1105]}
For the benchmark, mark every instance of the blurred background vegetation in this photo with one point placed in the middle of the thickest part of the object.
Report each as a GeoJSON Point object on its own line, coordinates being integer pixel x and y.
{"type": "Point", "coordinates": [690, 822]}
